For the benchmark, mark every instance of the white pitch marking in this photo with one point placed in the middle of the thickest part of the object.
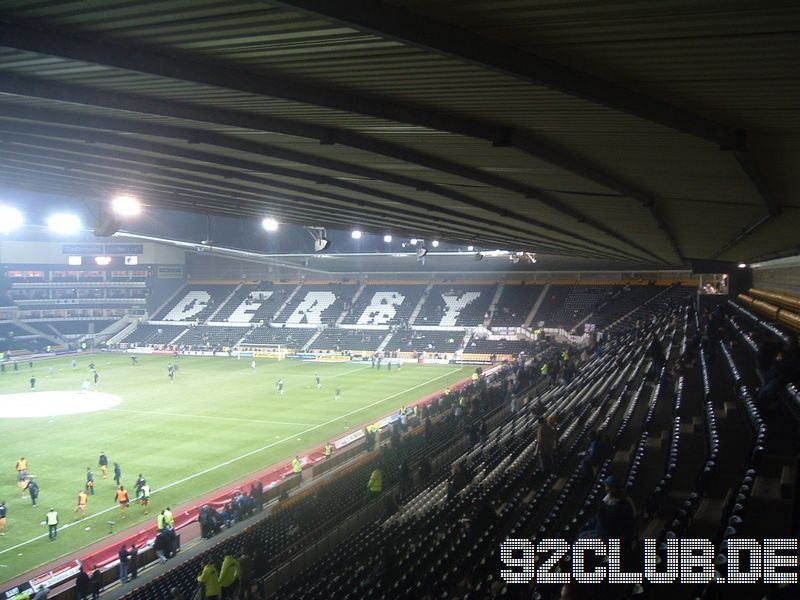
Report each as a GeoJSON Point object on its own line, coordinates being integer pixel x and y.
{"type": "Point", "coordinates": [245, 455]}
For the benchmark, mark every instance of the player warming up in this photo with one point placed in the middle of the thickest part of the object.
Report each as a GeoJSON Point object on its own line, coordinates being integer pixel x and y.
{"type": "Point", "coordinates": [316, 380]}
{"type": "Point", "coordinates": [83, 500]}
{"type": "Point", "coordinates": [338, 395]}
{"type": "Point", "coordinates": [124, 501]}
{"type": "Point", "coordinates": [279, 385]}
{"type": "Point", "coordinates": [103, 464]}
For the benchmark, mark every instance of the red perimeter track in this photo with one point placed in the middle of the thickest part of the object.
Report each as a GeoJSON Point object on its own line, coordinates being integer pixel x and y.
{"type": "Point", "coordinates": [104, 552]}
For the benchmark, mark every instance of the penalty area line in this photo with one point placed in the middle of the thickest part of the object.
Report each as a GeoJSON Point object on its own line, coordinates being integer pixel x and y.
{"type": "Point", "coordinates": [238, 458]}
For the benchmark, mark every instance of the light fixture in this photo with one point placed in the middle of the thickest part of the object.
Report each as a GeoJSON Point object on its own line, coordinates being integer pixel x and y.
{"type": "Point", "coordinates": [10, 219]}
{"type": "Point", "coordinates": [356, 234]}
{"type": "Point", "coordinates": [126, 205]}
{"type": "Point", "coordinates": [102, 261]}
{"type": "Point", "coordinates": [470, 248]}
{"type": "Point", "coordinates": [318, 234]}
{"type": "Point", "coordinates": [413, 241]}
{"type": "Point", "coordinates": [74, 261]}
{"type": "Point", "coordinates": [269, 224]}
{"type": "Point", "coordinates": [742, 265]}
{"type": "Point", "coordinates": [435, 243]}
{"type": "Point", "coordinates": [64, 223]}
{"type": "Point", "coordinates": [387, 238]}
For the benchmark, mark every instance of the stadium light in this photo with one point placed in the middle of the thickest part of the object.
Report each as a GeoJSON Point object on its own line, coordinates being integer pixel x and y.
{"type": "Point", "coordinates": [742, 265]}
{"type": "Point", "coordinates": [126, 205]}
{"type": "Point", "coordinates": [413, 241]}
{"type": "Point", "coordinates": [470, 248]}
{"type": "Point", "coordinates": [102, 261]}
{"type": "Point", "coordinates": [64, 223]}
{"type": "Point", "coordinates": [269, 224]}
{"type": "Point", "coordinates": [435, 243]}
{"type": "Point", "coordinates": [356, 234]}
{"type": "Point", "coordinates": [10, 219]}
{"type": "Point", "coordinates": [387, 238]}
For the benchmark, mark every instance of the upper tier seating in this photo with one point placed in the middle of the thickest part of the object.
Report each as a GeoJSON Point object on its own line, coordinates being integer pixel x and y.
{"type": "Point", "coordinates": [580, 302]}
{"type": "Point", "coordinates": [622, 302]}
{"type": "Point", "coordinates": [195, 303]}
{"type": "Point", "coordinates": [457, 305]}
{"type": "Point", "coordinates": [551, 306]}
{"type": "Point", "coordinates": [317, 304]}
{"type": "Point", "coordinates": [390, 304]}
{"type": "Point", "coordinates": [514, 305]}
{"type": "Point", "coordinates": [254, 303]}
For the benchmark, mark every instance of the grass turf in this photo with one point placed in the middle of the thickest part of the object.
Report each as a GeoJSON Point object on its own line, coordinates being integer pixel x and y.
{"type": "Point", "coordinates": [179, 435]}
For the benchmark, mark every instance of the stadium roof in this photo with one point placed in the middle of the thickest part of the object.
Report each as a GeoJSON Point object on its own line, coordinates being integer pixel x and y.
{"type": "Point", "coordinates": [646, 132]}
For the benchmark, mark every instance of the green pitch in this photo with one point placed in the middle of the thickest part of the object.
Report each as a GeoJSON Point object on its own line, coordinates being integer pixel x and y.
{"type": "Point", "coordinates": [217, 423]}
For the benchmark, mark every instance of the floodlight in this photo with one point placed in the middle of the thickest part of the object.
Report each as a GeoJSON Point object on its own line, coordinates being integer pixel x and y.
{"type": "Point", "coordinates": [435, 243]}
{"type": "Point", "coordinates": [74, 261]}
{"type": "Point", "coordinates": [126, 205]}
{"type": "Point", "coordinates": [413, 241]}
{"type": "Point", "coordinates": [10, 219]}
{"type": "Point", "coordinates": [102, 261]}
{"type": "Point", "coordinates": [64, 223]}
{"type": "Point", "coordinates": [742, 265]}
{"type": "Point", "coordinates": [356, 234]}
{"type": "Point", "coordinates": [269, 224]}
{"type": "Point", "coordinates": [387, 238]}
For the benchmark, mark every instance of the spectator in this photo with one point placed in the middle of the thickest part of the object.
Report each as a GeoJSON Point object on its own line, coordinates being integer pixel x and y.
{"type": "Point", "coordinates": [209, 579]}
{"type": "Point", "coordinates": [546, 442]}
{"type": "Point", "coordinates": [97, 582]}
{"type": "Point", "coordinates": [123, 564]}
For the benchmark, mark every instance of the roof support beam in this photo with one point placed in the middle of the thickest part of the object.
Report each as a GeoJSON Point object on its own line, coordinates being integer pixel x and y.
{"type": "Point", "coordinates": [240, 170]}
{"type": "Point", "coordinates": [91, 98]}
{"type": "Point", "coordinates": [214, 194]}
{"type": "Point", "coordinates": [397, 23]}
{"type": "Point", "coordinates": [101, 52]}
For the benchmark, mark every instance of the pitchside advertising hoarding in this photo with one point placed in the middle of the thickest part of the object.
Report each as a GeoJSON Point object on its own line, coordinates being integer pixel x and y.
{"type": "Point", "coordinates": [689, 561]}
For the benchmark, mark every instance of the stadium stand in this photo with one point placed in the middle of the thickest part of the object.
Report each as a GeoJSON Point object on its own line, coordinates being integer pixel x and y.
{"type": "Point", "coordinates": [457, 305]}
{"type": "Point", "coordinates": [390, 304]}
{"type": "Point", "coordinates": [551, 306]}
{"type": "Point", "coordinates": [156, 335]}
{"type": "Point", "coordinates": [70, 328]}
{"type": "Point", "coordinates": [514, 305]}
{"type": "Point", "coordinates": [211, 338]}
{"type": "Point", "coordinates": [317, 304]}
{"type": "Point", "coordinates": [477, 345]}
{"type": "Point", "coordinates": [195, 303]}
{"type": "Point", "coordinates": [348, 340]}
{"type": "Point", "coordinates": [291, 337]}
{"type": "Point", "coordinates": [254, 303]}
{"type": "Point", "coordinates": [622, 301]}
{"type": "Point", "coordinates": [425, 341]}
